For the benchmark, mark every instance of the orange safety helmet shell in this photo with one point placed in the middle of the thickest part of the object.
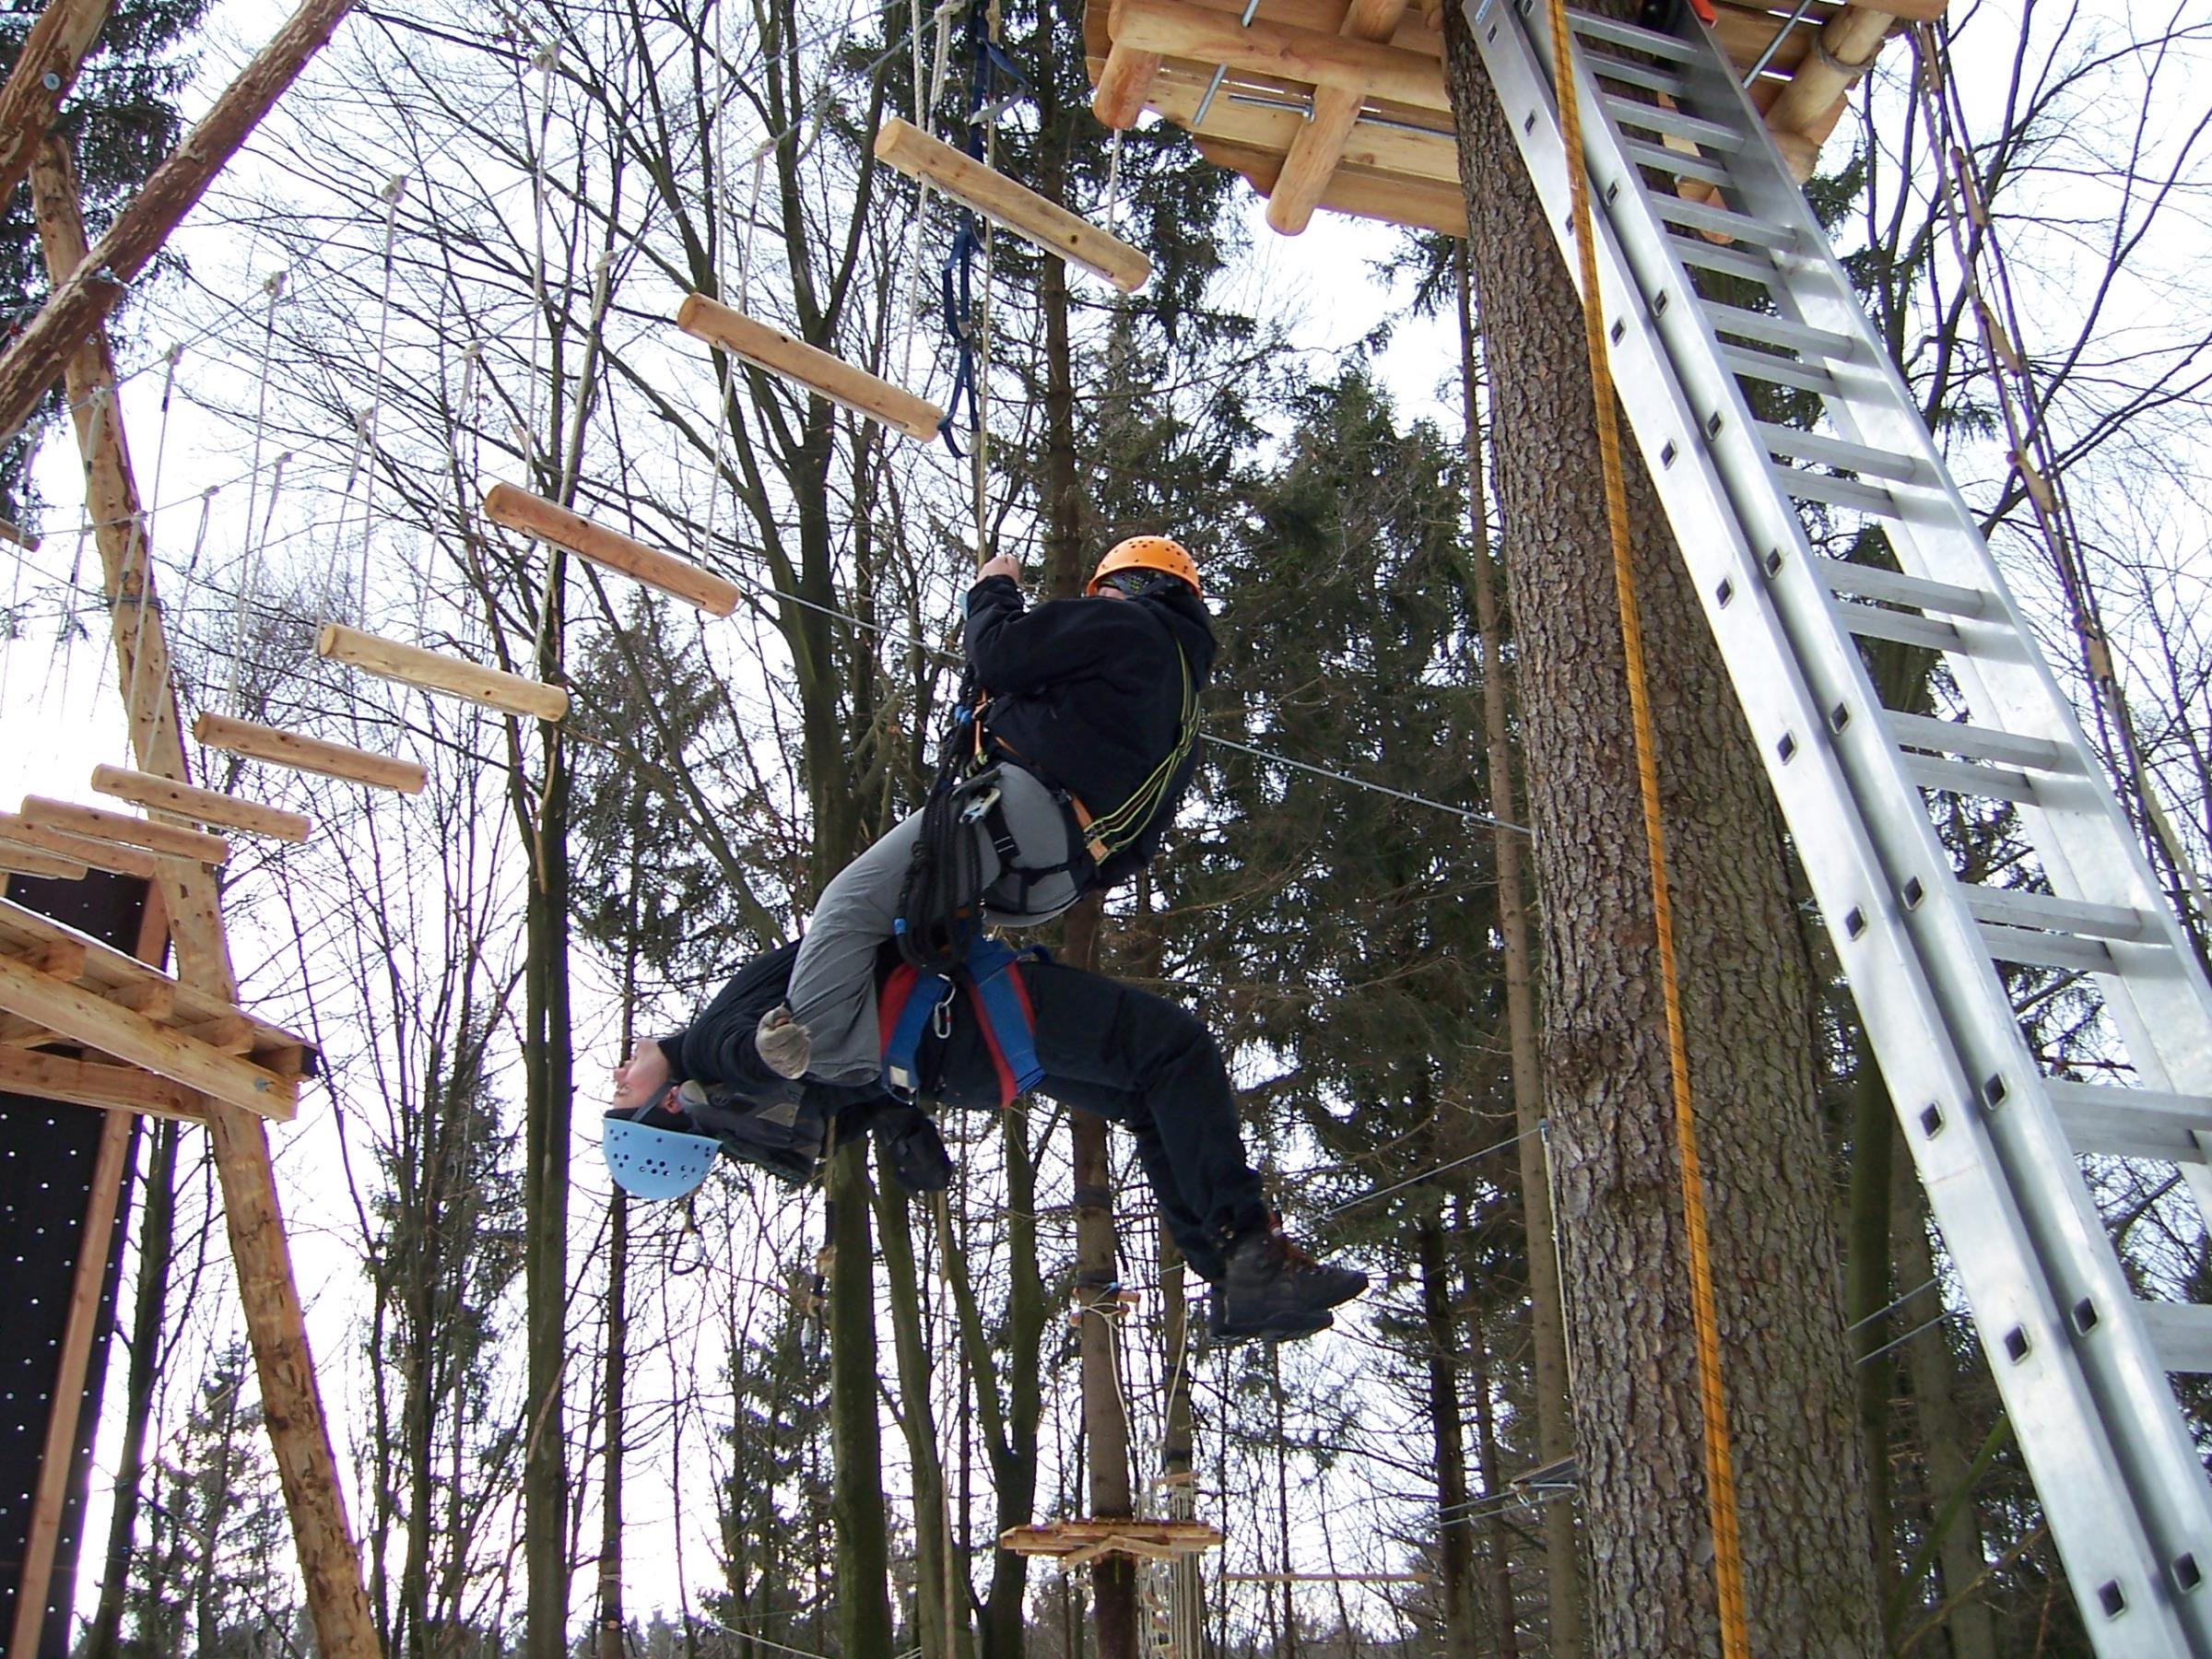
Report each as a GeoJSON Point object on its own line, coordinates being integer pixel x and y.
{"type": "Point", "coordinates": [1147, 553]}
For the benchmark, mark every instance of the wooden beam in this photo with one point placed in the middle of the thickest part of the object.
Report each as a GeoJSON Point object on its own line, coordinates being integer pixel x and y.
{"type": "Point", "coordinates": [1020, 210]}
{"type": "Point", "coordinates": [30, 861]}
{"type": "Point", "coordinates": [827, 376]}
{"type": "Point", "coordinates": [201, 806]}
{"type": "Point", "coordinates": [308, 754]}
{"type": "Point", "coordinates": [1173, 29]}
{"type": "Point", "coordinates": [78, 1015]}
{"type": "Point", "coordinates": [534, 515]}
{"type": "Point", "coordinates": [1315, 152]}
{"type": "Point", "coordinates": [122, 827]}
{"type": "Point", "coordinates": [96, 1082]}
{"type": "Point", "coordinates": [80, 849]}
{"type": "Point", "coordinates": [45, 69]}
{"type": "Point", "coordinates": [64, 959]}
{"type": "Point", "coordinates": [1415, 33]}
{"type": "Point", "coordinates": [1433, 157]}
{"type": "Point", "coordinates": [34, 363]}
{"type": "Point", "coordinates": [1850, 41]}
{"type": "Point", "coordinates": [1418, 203]}
{"type": "Point", "coordinates": [1124, 87]}
{"type": "Point", "coordinates": [412, 666]}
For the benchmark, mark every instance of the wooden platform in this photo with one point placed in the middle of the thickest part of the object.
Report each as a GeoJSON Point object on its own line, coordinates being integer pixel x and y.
{"type": "Point", "coordinates": [122, 1020]}
{"type": "Point", "coordinates": [1342, 106]}
{"type": "Point", "coordinates": [1073, 1543]}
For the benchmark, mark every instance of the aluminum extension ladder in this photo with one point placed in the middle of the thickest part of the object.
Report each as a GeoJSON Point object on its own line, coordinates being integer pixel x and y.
{"type": "Point", "coordinates": [2081, 1361]}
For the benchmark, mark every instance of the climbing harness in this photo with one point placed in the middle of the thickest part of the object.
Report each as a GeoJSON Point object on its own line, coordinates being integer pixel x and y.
{"type": "Point", "coordinates": [916, 1005]}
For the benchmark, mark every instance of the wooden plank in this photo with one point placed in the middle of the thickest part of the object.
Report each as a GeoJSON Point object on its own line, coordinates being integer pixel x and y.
{"type": "Point", "coordinates": [830, 377]}
{"type": "Point", "coordinates": [201, 805]}
{"type": "Point", "coordinates": [412, 666]}
{"type": "Point", "coordinates": [104, 1195]}
{"type": "Point", "coordinates": [82, 849]}
{"type": "Point", "coordinates": [1020, 210]}
{"type": "Point", "coordinates": [82, 1016]}
{"type": "Point", "coordinates": [1414, 32]}
{"type": "Point", "coordinates": [45, 69]}
{"type": "Point", "coordinates": [30, 861]}
{"type": "Point", "coordinates": [1306, 55]}
{"type": "Point", "coordinates": [1396, 201]}
{"type": "Point", "coordinates": [1124, 87]}
{"type": "Point", "coordinates": [1432, 157]}
{"type": "Point", "coordinates": [308, 754]}
{"type": "Point", "coordinates": [1319, 144]}
{"type": "Point", "coordinates": [35, 361]}
{"type": "Point", "coordinates": [534, 515]}
{"type": "Point", "coordinates": [98, 822]}
{"type": "Point", "coordinates": [63, 959]}
{"type": "Point", "coordinates": [96, 1082]}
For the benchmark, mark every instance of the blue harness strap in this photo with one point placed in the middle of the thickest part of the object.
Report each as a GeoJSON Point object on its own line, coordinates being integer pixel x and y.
{"type": "Point", "coordinates": [912, 1003]}
{"type": "Point", "coordinates": [911, 1000]}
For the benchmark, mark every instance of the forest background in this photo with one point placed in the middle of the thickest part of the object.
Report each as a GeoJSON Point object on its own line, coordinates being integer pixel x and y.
{"type": "Point", "coordinates": [469, 959]}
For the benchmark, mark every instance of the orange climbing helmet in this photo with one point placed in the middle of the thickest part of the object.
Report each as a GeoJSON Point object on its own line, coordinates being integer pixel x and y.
{"type": "Point", "coordinates": [1147, 553]}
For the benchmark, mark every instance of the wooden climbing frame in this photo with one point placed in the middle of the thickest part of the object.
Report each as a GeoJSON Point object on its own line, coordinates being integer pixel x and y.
{"type": "Point", "coordinates": [1076, 1543]}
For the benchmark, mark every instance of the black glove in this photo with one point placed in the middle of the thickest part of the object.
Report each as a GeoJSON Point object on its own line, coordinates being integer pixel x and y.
{"type": "Point", "coordinates": [911, 1151]}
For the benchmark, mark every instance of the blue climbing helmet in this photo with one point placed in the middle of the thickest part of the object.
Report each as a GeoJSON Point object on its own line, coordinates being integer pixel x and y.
{"type": "Point", "coordinates": [649, 1161]}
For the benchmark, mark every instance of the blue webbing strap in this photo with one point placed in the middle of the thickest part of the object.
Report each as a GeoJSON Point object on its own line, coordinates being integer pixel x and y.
{"type": "Point", "coordinates": [993, 84]}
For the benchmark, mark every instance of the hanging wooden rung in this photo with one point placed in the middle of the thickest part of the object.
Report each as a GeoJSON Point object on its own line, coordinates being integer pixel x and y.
{"type": "Point", "coordinates": [201, 805]}
{"type": "Point", "coordinates": [833, 378]}
{"type": "Point", "coordinates": [1076, 1541]}
{"type": "Point", "coordinates": [102, 825]}
{"type": "Point", "coordinates": [78, 849]}
{"type": "Point", "coordinates": [412, 666]}
{"type": "Point", "coordinates": [534, 515]}
{"type": "Point", "coordinates": [906, 146]}
{"type": "Point", "coordinates": [280, 747]}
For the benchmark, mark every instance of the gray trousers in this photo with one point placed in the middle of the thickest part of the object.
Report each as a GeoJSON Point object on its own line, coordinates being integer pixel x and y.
{"type": "Point", "coordinates": [833, 982]}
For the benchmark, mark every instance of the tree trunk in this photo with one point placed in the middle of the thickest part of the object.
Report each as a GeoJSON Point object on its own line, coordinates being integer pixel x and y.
{"type": "Point", "coordinates": [610, 1642]}
{"type": "Point", "coordinates": [1548, 1337]}
{"type": "Point", "coordinates": [1455, 1528]}
{"type": "Point", "coordinates": [1867, 1289]}
{"type": "Point", "coordinates": [864, 1560]}
{"type": "Point", "coordinates": [1747, 997]}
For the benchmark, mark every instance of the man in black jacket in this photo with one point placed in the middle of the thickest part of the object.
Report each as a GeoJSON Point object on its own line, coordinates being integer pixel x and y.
{"type": "Point", "coordinates": [1130, 1057]}
{"type": "Point", "coordinates": [1087, 739]}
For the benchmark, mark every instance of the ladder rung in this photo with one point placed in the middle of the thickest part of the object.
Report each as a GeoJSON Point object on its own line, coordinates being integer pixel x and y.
{"type": "Point", "coordinates": [1728, 261]}
{"type": "Point", "coordinates": [1963, 778]}
{"type": "Point", "coordinates": [2132, 1122]}
{"type": "Point", "coordinates": [2181, 1332]}
{"type": "Point", "coordinates": [180, 799]}
{"type": "Point", "coordinates": [1683, 164]}
{"type": "Point", "coordinates": [1723, 221]}
{"type": "Point", "coordinates": [1780, 331]}
{"type": "Point", "coordinates": [1800, 444]}
{"type": "Point", "coordinates": [1871, 622]}
{"type": "Point", "coordinates": [1648, 75]}
{"type": "Point", "coordinates": [2045, 949]}
{"type": "Point", "coordinates": [2061, 915]}
{"type": "Point", "coordinates": [1977, 743]}
{"type": "Point", "coordinates": [1593, 28]}
{"type": "Point", "coordinates": [1838, 492]}
{"type": "Point", "coordinates": [1777, 370]}
{"type": "Point", "coordinates": [1874, 583]}
{"type": "Point", "coordinates": [1655, 118]}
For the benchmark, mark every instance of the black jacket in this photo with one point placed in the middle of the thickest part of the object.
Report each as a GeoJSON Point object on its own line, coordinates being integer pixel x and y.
{"type": "Point", "coordinates": [1088, 694]}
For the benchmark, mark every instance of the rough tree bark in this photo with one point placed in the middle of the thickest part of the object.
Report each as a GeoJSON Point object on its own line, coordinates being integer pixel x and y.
{"type": "Point", "coordinates": [1746, 989]}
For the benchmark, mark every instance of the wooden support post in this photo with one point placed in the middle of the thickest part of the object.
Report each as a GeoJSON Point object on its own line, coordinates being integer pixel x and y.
{"type": "Point", "coordinates": [45, 69]}
{"type": "Point", "coordinates": [534, 515]}
{"type": "Point", "coordinates": [412, 666]}
{"type": "Point", "coordinates": [63, 1410]}
{"type": "Point", "coordinates": [201, 806]}
{"type": "Point", "coordinates": [28, 861]}
{"type": "Point", "coordinates": [1319, 145]}
{"type": "Point", "coordinates": [82, 1016]}
{"type": "Point", "coordinates": [103, 825]}
{"type": "Point", "coordinates": [1020, 210]}
{"type": "Point", "coordinates": [1175, 30]}
{"type": "Point", "coordinates": [830, 377]}
{"type": "Point", "coordinates": [1124, 87]}
{"type": "Point", "coordinates": [83, 299]}
{"type": "Point", "coordinates": [78, 849]}
{"type": "Point", "coordinates": [308, 754]}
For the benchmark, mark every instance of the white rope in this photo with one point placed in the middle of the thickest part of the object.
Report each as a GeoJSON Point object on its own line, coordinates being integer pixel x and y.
{"type": "Point", "coordinates": [394, 189]}
{"type": "Point", "coordinates": [272, 286]}
{"type": "Point", "coordinates": [140, 542]}
{"type": "Point", "coordinates": [1113, 182]}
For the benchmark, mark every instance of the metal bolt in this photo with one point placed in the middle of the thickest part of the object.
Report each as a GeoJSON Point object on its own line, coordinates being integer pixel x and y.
{"type": "Point", "coordinates": [51, 81]}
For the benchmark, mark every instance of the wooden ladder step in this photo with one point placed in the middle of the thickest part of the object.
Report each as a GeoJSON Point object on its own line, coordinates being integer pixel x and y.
{"type": "Point", "coordinates": [79, 849]}
{"type": "Point", "coordinates": [831, 377]}
{"type": "Point", "coordinates": [99, 824]}
{"type": "Point", "coordinates": [430, 671]}
{"type": "Point", "coordinates": [201, 805]}
{"type": "Point", "coordinates": [548, 520]}
{"type": "Point", "coordinates": [279, 748]}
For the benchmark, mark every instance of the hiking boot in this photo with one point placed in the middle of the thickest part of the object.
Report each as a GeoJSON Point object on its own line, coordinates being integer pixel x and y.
{"type": "Point", "coordinates": [1270, 1287]}
{"type": "Point", "coordinates": [784, 1043]}
{"type": "Point", "coordinates": [1218, 1334]}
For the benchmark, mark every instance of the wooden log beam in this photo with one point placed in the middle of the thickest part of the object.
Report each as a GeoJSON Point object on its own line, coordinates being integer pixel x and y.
{"type": "Point", "coordinates": [1433, 157]}
{"type": "Point", "coordinates": [1319, 145]}
{"type": "Point", "coordinates": [35, 361]}
{"type": "Point", "coordinates": [79, 849]}
{"type": "Point", "coordinates": [534, 515]}
{"type": "Point", "coordinates": [1418, 203]}
{"type": "Point", "coordinates": [1020, 210]}
{"type": "Point", "coordinates": [827, 376]}
{"type": "Point", "coordinates": [96, 821]}
{"type": "Point", "coordinates": [96, 1082]}
{"type": "Point", "coordinates": [1173, 29]}
{"type": "Point", "coordinates": [412, 666]}
{"type": "Point", "coordinates": [45, 69]}
{"type": "Point", "coordinates": [78, 1015]}
{"type": "Point", "coordinates": [1416, 32]}
{"type": "Point", "coordinates": [1124, 87]}
{"type": "Point", "coordinates": [201, 806]}
{"type": "Point", "coordinates": [308, 754]}
{"type": "Point", "coordinates": [30, 861]}
{"type": "Point", "coordinates": [1847, 45]}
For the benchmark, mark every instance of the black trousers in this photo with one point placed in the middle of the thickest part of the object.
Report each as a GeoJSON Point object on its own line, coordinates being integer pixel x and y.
{"type": "Point", "coordinates": [1143, 1063]}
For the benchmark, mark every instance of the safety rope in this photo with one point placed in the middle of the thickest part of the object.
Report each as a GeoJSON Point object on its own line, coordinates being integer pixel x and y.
{"type": "Point", "coordinates": [273, 287]}
{"type": "Point", "coordinates": [1720, 1474]}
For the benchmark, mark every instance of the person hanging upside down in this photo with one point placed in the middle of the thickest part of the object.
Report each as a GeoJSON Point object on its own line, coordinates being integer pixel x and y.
{"type": "Point", "coordinates": [1081, 745]}
{"type": "Point", "coordinates": [1002, 1023]}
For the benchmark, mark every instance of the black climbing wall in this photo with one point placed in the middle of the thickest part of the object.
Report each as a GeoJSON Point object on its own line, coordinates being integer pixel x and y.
{"type": "Point", "coordinates": [46, 1152]}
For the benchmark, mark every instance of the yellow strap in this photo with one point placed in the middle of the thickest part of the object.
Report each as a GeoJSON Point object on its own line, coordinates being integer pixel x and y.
{"type": "Point", "coordinates": [1719, 1476]}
